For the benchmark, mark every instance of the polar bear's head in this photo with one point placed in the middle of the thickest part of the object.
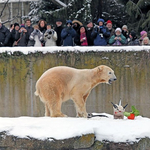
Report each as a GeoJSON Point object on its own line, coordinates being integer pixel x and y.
{"type": "Point", "coordinates": [106, 74]}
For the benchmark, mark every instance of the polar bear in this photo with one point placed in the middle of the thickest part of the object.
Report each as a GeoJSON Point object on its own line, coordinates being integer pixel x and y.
{"type": "Point", "coordinates": [62, 83]}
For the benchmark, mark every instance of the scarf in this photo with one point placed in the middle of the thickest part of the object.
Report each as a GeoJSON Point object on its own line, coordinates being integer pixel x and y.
{"type": "Point", "coordinates": [84, 43]}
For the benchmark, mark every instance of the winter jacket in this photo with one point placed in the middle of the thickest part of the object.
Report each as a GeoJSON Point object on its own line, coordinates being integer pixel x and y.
{"type": "Point", "coordinates": [112, 41]}
{"type": "Point", "coordinates": [89, 38]}
{"type": "Point", "coordinates": [36, 38]}
{"type": "Point", "coordinates": [133, 42]}
{"type": "Point", "coordinates": [21, 38]}
{"type": "Point", "coordinates": [68, 35]}
{"type": "Point", "coordinates": [12, 38]}
{"type": "Point", "coordinates": [59, 40]}
{"type": "Point", "coordinates": [50, 37]}
{"type": "Point", "coordinates": [29, 29]}
{"type": "Point", "coordinates": [100, 35]}
{"type": "Point", "coordinates": [4, 36]}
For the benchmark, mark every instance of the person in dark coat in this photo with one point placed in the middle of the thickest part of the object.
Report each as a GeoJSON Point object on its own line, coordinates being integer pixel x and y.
{"type": "Point", "coordinates": [100, 33]}
{"type": "Point", "coordinates": [4, 35]}
{"type": "Point", "coordinates": [58, 30]}
{"type": "Point", "coordinates": [89, 32]}
{"type": "Point", "coordinates": [21, 37]}
{"type": "Point", "coordinates": [76, 25]}
{"type": "Point", "coordinates": [110, 29]}
{"type": "Point", "coordinates": [29, 28]}
{"type": "Point", "coordinates": [68, 34]}
{"type": "Point", "coordinates": [133, 39]}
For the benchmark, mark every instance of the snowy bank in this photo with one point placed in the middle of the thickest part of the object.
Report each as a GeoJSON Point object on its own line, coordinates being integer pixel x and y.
{"type": "Point", "coordinates": [63, 128]}
{"type": "Point", "coordinates": [52, 49]}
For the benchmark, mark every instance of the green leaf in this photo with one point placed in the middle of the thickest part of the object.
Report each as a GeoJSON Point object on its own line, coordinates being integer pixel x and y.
{"type": "Point", "coordinates": [127, 114]}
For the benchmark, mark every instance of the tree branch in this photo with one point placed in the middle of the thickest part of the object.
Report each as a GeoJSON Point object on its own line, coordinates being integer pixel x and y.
{"type": "Point", "coordinates": [4, 8]}
{"type": "Point", "coordinates": [60, 3]}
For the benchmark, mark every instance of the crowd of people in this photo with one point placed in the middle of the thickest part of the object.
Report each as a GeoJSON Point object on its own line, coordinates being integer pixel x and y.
{"type": "Point", "coordinates": [74, 33]}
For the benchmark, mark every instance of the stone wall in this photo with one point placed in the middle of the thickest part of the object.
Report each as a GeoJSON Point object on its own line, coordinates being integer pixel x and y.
{"type": "Point", "coordinates": [84, 142]}
{"type": "Point", "coordinates": [19, 73]}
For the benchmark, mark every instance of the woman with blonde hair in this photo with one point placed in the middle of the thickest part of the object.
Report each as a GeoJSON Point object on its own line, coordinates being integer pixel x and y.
{"type": "Point", "coordinates": [146, 41]}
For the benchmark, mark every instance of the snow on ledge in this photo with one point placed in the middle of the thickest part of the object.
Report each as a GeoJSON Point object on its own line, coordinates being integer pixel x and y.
{"type": "Point", "coordinates": [115, 130]}
{"type": "Point", "coordinates": [52, 49]}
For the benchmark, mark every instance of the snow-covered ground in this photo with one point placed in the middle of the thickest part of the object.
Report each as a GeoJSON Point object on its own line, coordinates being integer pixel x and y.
{"type": "Point", "coordinates": [63, 128]}
{"type": "Point", "coordinates": [27, 50]}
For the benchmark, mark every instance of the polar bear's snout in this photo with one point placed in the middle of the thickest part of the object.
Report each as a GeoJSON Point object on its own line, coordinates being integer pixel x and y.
{"type": "Point", "coordinates": [112, 79]}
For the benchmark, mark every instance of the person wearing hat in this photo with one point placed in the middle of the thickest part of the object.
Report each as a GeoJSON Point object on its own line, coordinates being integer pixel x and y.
{"type": "Point", "coordinates": [133, 39]}
{"type": "Point", "coordinates": [125, 32]}
{"type": "Point", "coordinates": [100, 33]}
{"type": "Point", "coordinates": [89, 32]}
{"type": "Point", "coordinates": [21, 37]}
{"type": "Point", "coordinates": [58, 28]}
{"type": "Point", "coordinates": [76, 25]}
{"type": "Point", "coordinates": [110, 28]}
{"type": "Point", "coordinates": [143, 35]}
{"type": "Point", "coordinates": [68, 34]}
{"type": "Point", "coordinates": [4, 35]}
{"type": "Point", "coordinates": [118, 39]}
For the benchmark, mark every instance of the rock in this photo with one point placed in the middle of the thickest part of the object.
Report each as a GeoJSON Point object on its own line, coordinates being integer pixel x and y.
{"type": "Point", "coordinates": [85, 141]}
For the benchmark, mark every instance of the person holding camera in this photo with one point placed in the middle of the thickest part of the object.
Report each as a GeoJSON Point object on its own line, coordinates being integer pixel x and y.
{"type": "Point", "coordinates": [50, 36]}
{"type": "Point", "coordinates": [68, 34]}
{"type": "Point", "coordinates": [118, 39]}
{"type": "Point", "coordinates": [36, 37]}
{"type": "Point", "coordinates": [100, 33]}
{"type": "Point", "coordinates": [21, 37]}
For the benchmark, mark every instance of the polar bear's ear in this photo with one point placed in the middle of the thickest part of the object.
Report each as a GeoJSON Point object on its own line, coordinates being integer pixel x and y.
{"type": "Point", "coordinates": [99, 69]}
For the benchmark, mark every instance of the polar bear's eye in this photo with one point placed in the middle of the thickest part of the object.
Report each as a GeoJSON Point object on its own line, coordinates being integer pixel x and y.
{"type": "Point", "coordinates": [109, 72]}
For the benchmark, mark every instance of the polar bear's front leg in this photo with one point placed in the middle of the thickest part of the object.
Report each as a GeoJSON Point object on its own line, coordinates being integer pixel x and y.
{"type": "Point", "coordinates": [80, 107]}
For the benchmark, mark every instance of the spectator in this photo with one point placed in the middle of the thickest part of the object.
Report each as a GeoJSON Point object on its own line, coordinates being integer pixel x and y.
{"type": "Point", "coordinates": [143, 35]}
{"type": "Point", "coordinates": [29, 27]}
{"type": "Point", "coordinates": [117, 39]}
{"type": "Point", "coordinates": [110, 29]}
{"type": "Point", "coordinates": [21, 37]}
{"type": "Point", "coordinates": [146, 41]}
{"type": "Point", "coordinates": [133, 39]}
{"type": "Point", "coordinates": [68, 34]}
{"type": "Point", "coordinates": [42, 27]}
{"type": "Point", "coordinates": [89, 32]}
{"type": "Point", "coordinates": [76, 25]}
{"type": "Point", "coordinates": [100, 33]}
{"type": "Point", "coordinates": [81, 37]}
{"type": "Point", "coordinates": [36, 37]}
{"type": "Point", "coordinates": [58, 30]}
{"type": "Point", "coordinates": [4, 35]}
{"type": "Point", "coordinates": [125, 32]}
{"type": "Point", "coordinates": [50, 36]}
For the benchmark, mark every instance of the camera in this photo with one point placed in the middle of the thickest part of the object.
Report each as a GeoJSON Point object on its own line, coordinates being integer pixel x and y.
{"type": "Point", "coordinates": [50, 32]}
{"type": "Point", "coordinates": [37, 30]}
